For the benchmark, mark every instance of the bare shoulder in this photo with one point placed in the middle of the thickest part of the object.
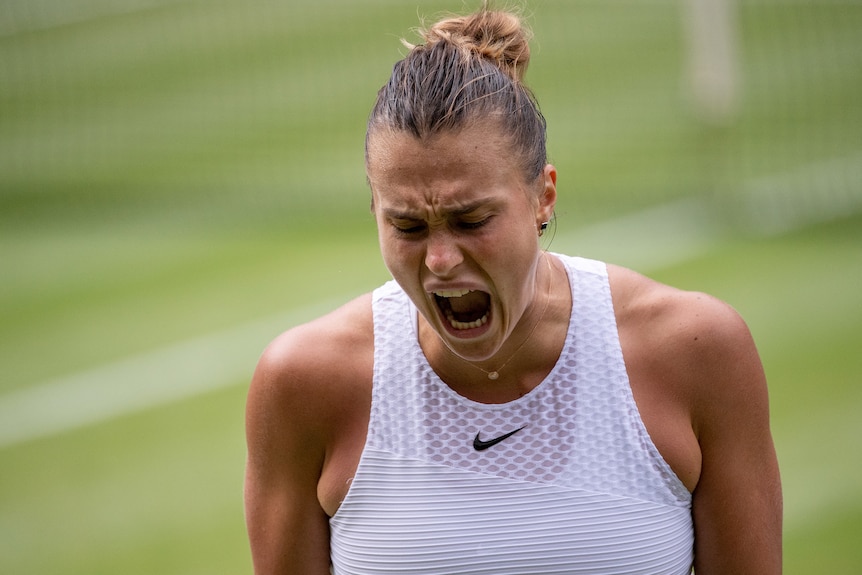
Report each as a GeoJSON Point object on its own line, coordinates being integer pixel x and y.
{"type": "Point", "coordinates": [700, 344]}
{"type": "Point", "coordinates": [323, 345]}
{"type": "Point", "coordinates": [639, 295]}
{"type": "Point", "coordinates": [693, 323]}
{"type": "Point", "coordinates": [315, 369]}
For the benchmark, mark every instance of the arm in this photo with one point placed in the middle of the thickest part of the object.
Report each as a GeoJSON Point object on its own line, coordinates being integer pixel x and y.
{"type": "Point", "coordinates": [737, 505]}
{"type": "Point", "coordinates": [306, 418]}
{"type": "Point", "coordinates": [701, 390]}
{"type": "Point", "coordinates": [288, 530]}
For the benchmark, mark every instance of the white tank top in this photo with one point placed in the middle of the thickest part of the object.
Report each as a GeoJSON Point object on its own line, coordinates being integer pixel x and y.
{"type": "Point", "coordinates": [578, 488]}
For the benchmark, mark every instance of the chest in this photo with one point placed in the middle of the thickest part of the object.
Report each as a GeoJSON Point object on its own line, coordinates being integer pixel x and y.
{"type": "Point", "coordinates": [404, 515]}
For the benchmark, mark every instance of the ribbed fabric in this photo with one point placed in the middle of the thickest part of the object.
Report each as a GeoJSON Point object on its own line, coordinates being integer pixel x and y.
{"type": "Point", "coordinates": [581, 489]}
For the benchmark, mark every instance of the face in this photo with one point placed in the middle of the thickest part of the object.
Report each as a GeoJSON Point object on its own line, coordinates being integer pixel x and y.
{"type": "Point", "coordinates": [458, 228]}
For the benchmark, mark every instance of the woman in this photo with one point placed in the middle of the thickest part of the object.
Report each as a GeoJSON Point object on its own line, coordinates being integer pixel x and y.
{"type": "Point", "coordinates": [496, 408]}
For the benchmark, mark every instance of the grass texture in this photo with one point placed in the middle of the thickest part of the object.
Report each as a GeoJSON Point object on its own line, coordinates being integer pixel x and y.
{"type": "Point", "coordinates": [174, 169]}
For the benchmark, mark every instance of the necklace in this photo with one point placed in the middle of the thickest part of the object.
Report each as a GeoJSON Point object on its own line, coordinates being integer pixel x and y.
{"type": "Point", "coordinates": [495, 374]}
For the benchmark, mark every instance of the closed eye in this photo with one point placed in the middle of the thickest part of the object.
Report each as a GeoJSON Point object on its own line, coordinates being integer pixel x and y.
{"type": "Point", "coordinates": [408, 229]}
{"type": "Point", "coordinates": [412, 228]}
{"type": "Point", "coordinates": [473, 225]}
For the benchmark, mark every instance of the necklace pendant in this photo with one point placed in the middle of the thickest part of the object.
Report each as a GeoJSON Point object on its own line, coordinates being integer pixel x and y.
{"type": "Point", "coordinates": [493, 375]}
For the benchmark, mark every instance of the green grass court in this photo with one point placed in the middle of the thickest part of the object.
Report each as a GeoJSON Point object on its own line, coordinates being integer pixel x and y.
{"type": "Point", "coordinates": [181, 180]}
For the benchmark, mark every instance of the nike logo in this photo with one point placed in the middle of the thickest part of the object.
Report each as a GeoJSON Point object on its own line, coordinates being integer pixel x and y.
{"type": "Point", "coordinates": [480, 445]}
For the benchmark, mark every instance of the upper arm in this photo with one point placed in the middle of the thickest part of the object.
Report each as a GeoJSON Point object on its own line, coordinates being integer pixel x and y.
{"type": "Point", "coordinates": [287, 528]}
{"type": "Point", "coordinates": [701, 389]}
{"type": "Point", "coordinates": [306, 402]}
{"type": "Point", "coordinates": [736, 505]}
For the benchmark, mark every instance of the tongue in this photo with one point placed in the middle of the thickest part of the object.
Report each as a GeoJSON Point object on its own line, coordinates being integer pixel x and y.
{"type": "Point", "coordinates": [469, 307]}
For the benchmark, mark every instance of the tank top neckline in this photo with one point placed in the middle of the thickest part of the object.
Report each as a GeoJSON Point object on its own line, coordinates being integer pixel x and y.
{"type": "Point", "coordinates": [435, 379]}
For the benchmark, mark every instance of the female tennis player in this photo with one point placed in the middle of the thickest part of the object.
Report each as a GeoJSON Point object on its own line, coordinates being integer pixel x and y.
{"type": "Point", "coordinates": [497, 408]}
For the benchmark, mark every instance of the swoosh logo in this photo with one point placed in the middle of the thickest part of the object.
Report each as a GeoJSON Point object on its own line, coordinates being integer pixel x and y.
{"type": "Point", "coordinates": [480, 445]}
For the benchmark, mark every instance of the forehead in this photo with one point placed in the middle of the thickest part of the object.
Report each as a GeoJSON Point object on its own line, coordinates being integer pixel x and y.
{"type": "Point", "coordinates": [452, 171]}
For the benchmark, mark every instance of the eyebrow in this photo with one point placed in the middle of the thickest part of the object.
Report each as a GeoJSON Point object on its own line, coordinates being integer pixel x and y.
{"type": "Point", "coordinates": [397, 214]}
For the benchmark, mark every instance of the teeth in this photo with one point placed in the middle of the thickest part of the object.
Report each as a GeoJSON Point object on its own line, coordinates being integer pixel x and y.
{"type": "Point", "coordinates": [452, 293]}
{"type": "Point", "coordinates": [464, 325]}
{"type": "Point", "coordinates": [451, 316]}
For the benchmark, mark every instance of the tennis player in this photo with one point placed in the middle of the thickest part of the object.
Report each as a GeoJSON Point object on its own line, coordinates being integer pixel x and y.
{"type": "Point", "coordinates": [496, 408]}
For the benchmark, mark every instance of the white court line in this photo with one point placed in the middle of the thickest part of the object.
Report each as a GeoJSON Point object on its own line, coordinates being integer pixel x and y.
{"type": "Point", "coordinates": [806, 194]}
{"type": "Point", "coordinates": [146, 380]}
{"type": "Point", "coordinates": [657, 237]}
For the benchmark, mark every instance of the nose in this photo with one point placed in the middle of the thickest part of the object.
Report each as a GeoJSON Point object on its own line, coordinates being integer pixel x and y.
{"type": "Point", "coordinates": [442, 253]}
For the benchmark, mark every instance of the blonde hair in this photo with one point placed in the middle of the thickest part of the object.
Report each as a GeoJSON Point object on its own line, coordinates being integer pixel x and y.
{"type": "Point", "coordinates": [470, 69]}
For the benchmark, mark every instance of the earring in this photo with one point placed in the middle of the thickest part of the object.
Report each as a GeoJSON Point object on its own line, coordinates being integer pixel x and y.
{"type": "Point", "coordinates": [542, 228]}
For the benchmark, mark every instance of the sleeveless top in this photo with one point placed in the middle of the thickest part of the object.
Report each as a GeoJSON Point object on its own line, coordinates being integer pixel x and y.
{"type": "Point", "coordinates": [579, 488]}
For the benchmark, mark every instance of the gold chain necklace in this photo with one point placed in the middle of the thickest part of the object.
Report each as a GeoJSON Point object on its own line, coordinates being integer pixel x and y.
{"type": "Point", "coordinates": [495, 374]}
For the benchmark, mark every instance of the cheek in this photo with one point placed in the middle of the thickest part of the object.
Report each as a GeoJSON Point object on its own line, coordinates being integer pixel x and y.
{"type": "Point", "coordinates": [516, 267]}
{"type": "Point", "coordinates": [398, 256]}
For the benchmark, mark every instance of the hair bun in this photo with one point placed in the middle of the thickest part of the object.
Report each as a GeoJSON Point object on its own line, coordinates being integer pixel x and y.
{"type": "Point", "coordinates": [496, 35]}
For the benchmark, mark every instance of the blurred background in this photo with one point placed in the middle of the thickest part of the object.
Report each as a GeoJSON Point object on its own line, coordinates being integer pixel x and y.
{"type": "Point", "coordinates": [182, 180]}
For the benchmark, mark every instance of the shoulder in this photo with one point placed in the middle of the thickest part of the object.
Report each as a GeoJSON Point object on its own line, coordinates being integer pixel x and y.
{"type": "Point", "coordinates": [641, 294]}
{"type": "Point", "coordinates": [701, 344]}
{"type": "Point", "coordinates": [311, 347]}
{"type": "Point", "coordinates": [687, 319]}
{"type": "Point", "coordinates": [314, 370]}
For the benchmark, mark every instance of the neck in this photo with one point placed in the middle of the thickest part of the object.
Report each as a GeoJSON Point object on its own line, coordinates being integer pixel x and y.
{"type": "Point", "coordinates": [518, 367]}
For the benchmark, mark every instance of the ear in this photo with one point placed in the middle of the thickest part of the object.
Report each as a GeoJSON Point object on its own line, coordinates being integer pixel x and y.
{"type": "Point", "coordinates": [547, 196]}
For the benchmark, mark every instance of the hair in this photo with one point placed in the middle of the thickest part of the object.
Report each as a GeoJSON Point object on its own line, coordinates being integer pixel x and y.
{"type": "Point", "coordinates": [469, 70]}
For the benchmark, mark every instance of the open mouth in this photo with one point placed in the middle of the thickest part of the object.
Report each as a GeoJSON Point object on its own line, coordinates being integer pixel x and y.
{"type": "Point", "coordinates": [464, 309]}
